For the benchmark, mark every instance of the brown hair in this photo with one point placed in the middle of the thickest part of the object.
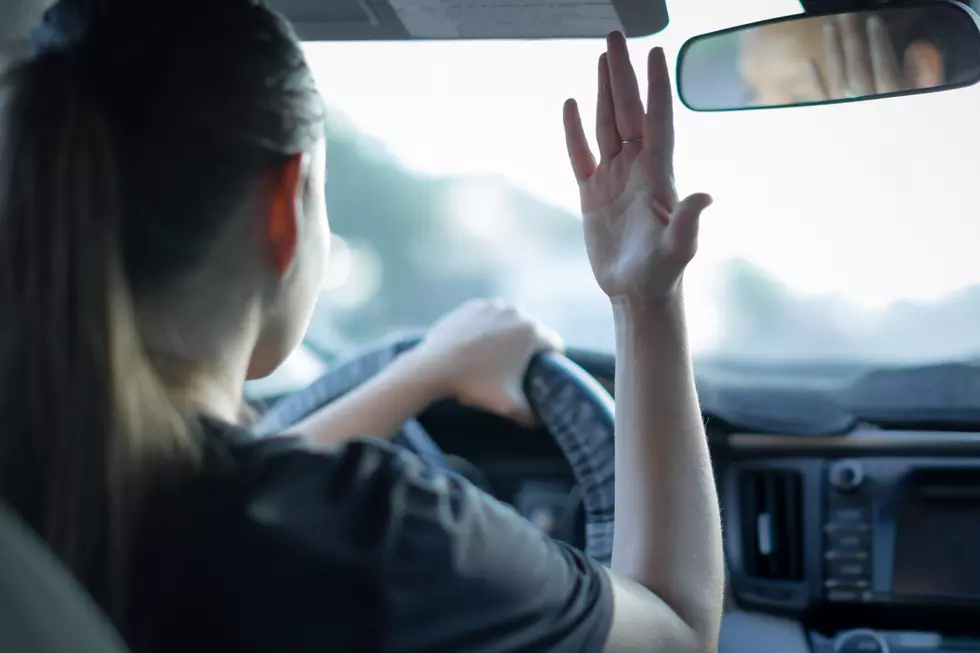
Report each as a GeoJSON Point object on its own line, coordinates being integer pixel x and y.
{"type": "Point", "coordinates": [127, 138]}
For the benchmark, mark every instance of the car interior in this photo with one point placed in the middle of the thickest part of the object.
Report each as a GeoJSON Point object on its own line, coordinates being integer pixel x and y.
{"type": "Point", "coordinates": [834, 464]}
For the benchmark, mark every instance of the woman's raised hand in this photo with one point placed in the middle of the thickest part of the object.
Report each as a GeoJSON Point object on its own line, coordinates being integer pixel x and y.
{"type": "Point", "coordinates": [639, 237]}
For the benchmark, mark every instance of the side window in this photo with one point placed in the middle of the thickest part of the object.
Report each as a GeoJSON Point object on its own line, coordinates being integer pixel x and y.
{"type": "Point", "coordinates": [10, 51]}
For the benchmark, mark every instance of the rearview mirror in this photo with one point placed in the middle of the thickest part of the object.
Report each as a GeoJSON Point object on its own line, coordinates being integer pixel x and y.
{"type": "Point", "coordinates": [831, 58]}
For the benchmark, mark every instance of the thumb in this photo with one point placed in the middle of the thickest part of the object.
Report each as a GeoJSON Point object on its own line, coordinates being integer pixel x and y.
{"type": "Point", "coordinates": [547, 339]}
{"type": "Point", "coordinates": [521, 412]}
{"type": "Point", "coordinates": [684, 222]}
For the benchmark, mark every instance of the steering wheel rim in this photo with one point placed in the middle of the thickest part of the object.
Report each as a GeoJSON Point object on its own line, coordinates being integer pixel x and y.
{"type": "Point", "coordinates": [580, 415]}
{"type": "Point", "coordinates": [572, 405]}
{"type": "Point", "coordinates": [341, 378]}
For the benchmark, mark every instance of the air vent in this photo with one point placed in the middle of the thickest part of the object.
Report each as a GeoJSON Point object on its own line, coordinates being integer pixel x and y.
{"type": "Point", "coordinates": [772, 524]}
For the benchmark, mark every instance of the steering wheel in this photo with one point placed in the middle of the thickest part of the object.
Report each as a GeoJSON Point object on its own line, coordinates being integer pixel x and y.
{"type": "Point", "coordinates": [574, 408]}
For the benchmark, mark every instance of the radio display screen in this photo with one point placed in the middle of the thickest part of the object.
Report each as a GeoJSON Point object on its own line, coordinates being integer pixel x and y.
{"type": "Point", "coordinates": [937, 546]}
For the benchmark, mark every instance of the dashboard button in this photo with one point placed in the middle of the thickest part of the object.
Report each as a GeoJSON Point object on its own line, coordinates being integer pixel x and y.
{"type": "Point", "coordinates": [847, 542]}
{"type": "Point", "coordinates": [845, 515]}
{"type": "Point", "coordinates": [844, 596]}
{"type": "Point", "coordinates": [854, 527]}
{"type": "Point", "coordinates": [837, 584]}
{"type": "Point", "coordinates": [847, 570]}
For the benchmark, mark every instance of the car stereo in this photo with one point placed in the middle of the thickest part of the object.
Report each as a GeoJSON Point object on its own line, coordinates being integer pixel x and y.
{"type": "Point", "coordinates": [902, 531]}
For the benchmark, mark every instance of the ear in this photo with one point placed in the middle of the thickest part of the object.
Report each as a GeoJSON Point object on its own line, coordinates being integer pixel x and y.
{"type": "Point", "coordinates": [924, 65]}
{"type": "Point", "coordinates": [282, 214]}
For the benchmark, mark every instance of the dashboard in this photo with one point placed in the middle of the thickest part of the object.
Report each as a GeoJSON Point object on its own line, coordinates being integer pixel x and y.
{"type": "Point", "coordinates": [844, 533]}
{"type": "Point", "coordinates": [870, 540]}
{"type": "Point", "coordinates": [862, 542]}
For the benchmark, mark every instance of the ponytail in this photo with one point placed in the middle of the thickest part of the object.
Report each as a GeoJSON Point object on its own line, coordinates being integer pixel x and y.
{"type": "Point", "coordinates": [80, 404]}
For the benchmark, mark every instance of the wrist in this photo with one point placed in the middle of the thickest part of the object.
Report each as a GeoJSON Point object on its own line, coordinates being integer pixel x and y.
{"type": "Point", "coordinates": [425, 373]}
{"type": "Point", "coordinates": [648, 309]}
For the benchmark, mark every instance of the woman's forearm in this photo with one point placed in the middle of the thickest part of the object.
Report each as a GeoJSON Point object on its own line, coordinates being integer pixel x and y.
{"type": "Point", "coordinates": [378, 407]}
{"type": "Point", "coordinates": [667, 531]}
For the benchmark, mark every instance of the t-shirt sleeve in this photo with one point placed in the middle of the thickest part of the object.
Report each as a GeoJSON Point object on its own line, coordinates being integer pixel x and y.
{"type": "Point", "coordinates": [440, 565]}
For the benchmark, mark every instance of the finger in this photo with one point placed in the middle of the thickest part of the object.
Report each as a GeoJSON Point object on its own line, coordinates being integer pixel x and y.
{"type": "Point", "coordinates": [857, 61]}
{"type": "Point", "coordinates": [884, 63]}
{"type": "Point", "coordinates": [834, 51]}
{"type": "Point", "coordinates": [606, 133]}
{"type": "Point", "coordinates": [817, 84]}
{"type": "Point", "coordinates": [685, 222]}
{"type": "Point", "coordinates": [923, 65]}
{"type": "Point", "coordinates": [523, 415]}
{"type": "Point", "coordinates": [625, 90]}
{"type": "Point", "coordinates": [579, 153]}
{"type": "Point", "coordinates": [548, 339]}
{"type": "Point", "coordinates": [660, 109]}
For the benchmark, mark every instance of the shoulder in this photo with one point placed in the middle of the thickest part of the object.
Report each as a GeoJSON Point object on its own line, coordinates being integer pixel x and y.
{"type": "Point", "coordinates": [315, 498]}
{"type": "Point", "coordinates": [441, 564]}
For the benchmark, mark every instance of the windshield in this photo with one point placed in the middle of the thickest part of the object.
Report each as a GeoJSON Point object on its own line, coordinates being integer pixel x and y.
{"type": "Point", "coordinates": [844, 233]}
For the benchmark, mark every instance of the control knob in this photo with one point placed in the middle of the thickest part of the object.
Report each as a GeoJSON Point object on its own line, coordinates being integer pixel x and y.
{"type": "Point", "coordinates": [860, 641]}
{"type": "Point", "coordinates": [846, 475]}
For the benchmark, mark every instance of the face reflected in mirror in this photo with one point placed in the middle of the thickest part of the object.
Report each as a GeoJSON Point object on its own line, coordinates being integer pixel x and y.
{"type": "Point", "coordinates": [774, 62]}
{"type": "Point", "coordinates": [845, 56]}
{"type": "Point", "coordinates": [833, 58]}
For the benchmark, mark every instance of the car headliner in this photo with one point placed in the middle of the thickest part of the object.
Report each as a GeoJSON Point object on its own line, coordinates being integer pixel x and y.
{"type": "Point", "coordinates": [325, 20]}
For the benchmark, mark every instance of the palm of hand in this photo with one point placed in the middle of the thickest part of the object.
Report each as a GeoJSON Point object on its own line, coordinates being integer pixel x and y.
{"type": "Point", "coordinates": [638, 236]}
{"type": "Point", "coordinates": [628, 238]}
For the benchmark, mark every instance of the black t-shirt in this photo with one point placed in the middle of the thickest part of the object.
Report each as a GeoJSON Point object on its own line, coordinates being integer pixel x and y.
{"type": "Point", "coordinates": [280, 549]}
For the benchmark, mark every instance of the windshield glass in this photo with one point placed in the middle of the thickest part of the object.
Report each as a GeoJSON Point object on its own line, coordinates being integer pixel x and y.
{"type": "Point", "coordinates": [844, 233]}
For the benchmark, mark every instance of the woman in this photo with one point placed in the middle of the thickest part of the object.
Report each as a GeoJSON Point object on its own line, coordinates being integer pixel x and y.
{"type": "Point", "coordinates": [162, 234]}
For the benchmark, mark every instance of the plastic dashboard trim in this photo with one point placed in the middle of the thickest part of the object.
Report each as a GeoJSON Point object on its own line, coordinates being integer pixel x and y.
{"type": "Point", "coordinates": [874, 441]}
{"type": "Point", "coordinates": [751, 591]}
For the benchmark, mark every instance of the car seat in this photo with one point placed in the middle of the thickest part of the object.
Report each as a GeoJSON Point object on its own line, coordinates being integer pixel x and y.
{"type": "Point", "coordinates": [42, 608]}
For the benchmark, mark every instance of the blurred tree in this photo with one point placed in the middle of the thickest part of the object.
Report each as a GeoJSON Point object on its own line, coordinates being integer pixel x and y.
{"type": "Point", "coordinates": [753, 304]}
{"type": "Point", "coordinates": [407, 220]}
{"type": "Point", "coordinates": [764, 320]}
{"type": "Point", "coordinates": [429, 264]}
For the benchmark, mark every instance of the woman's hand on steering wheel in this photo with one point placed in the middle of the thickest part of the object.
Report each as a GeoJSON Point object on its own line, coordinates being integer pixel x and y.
{"type": "Point", "coordinates": [479, 353]}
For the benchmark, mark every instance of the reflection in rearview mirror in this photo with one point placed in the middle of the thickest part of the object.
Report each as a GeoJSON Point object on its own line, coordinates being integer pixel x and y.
{"type": "Point", "coordinates": [842, 57]}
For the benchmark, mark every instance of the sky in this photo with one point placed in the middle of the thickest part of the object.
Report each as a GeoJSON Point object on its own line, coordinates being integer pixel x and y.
{"type": "Point", "coordinates": [873, 201]}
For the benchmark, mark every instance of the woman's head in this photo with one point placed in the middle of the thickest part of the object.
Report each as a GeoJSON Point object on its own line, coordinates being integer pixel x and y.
{"type": "Point", "coordinates": [162, 230]}
{"type": "Point", "coordinates": [214, 124]}
{"type": "Point", "coordinates": [773, 60]}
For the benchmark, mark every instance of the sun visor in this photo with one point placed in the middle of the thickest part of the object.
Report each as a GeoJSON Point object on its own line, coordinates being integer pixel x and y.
{"type": "Point", "coordinates": [385, 20]}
